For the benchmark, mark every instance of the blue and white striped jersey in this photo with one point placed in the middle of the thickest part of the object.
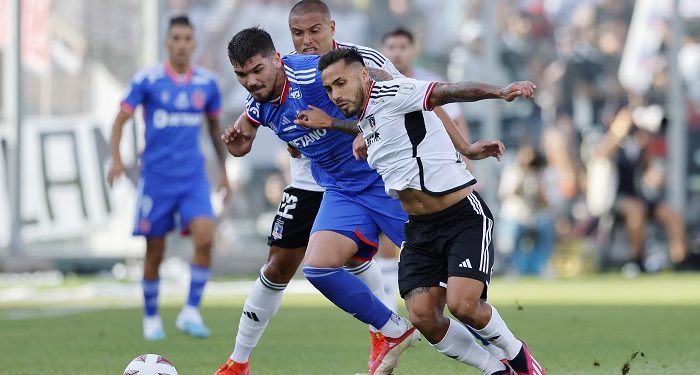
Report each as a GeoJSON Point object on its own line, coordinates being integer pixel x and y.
{"type": "Point", "coordinates": [332, 163]}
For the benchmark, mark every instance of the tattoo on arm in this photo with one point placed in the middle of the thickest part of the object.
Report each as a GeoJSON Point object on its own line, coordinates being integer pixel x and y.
{"type": "Point", "coordinates": [445, 93]}
{"type": "Point", "coordinates": [380, 75]}
{"type": "Point", "coordinates": [345, 126]}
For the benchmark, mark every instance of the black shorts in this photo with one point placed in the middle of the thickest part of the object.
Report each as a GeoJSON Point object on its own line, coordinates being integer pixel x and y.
{"type": "Point", "coordinates": [456, 241]}
{"type": "Point", "coordinates": [296, 213]}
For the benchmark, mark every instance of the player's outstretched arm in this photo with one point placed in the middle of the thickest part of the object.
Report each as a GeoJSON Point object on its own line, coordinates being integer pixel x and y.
{"type": "Point", "coordinates": [472, 151]}
{"type": "Point", "coordinates": [118, 167]}
{"type": "Point", "coordinates": [239, 136]}
{"type": "Point", "coordinates": [316, 118]}
{"type": "Point", "coordinates": [445, 93]}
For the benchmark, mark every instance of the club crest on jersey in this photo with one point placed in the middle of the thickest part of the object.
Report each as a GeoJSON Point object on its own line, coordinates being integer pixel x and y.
{"type": "Point", "coordinates": [182, 101]}
{"type": "Point", "coordinates": [198, 99]}
{"type": "Point", "coordinates": [277, 229]}
{"type": "Point", "coordinates": [372, 123]}
{"type": "Point", "coordinates": [295, 94]}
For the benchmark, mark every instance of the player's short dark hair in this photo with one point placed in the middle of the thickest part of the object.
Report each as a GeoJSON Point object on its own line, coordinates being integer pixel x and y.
{"type": "Point", "coordinates": [349, 55]}
{"type": "Point", "coordinates": [400, 31]}
{"type": "Point", "coordinates": [182, 20]}
{"type": "Point", "coordinates": [249, 43]}
{"type": "Point", "coordinates": [308, 6]}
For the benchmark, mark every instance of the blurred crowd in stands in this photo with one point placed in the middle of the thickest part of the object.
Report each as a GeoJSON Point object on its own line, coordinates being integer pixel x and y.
{"type": "Point", "coordinates": [583, 186]}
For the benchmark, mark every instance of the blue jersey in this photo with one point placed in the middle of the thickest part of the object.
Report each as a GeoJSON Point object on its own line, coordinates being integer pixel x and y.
{"type": "Point", "coordinates": [332, 163]}
{"type": "Point", "coordinates": [173, 108]}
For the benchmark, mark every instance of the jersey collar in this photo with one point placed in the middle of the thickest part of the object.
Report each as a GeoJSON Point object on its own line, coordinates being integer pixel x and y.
{"type": "Point", "coordinates": [361, 115]}
{"type": "Point", "coordinates": [285, 91]}
{"type": "Point", "coordinates": [176, 77]}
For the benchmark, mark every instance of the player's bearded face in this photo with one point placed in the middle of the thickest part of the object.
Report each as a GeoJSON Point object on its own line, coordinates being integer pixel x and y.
{"type": "Point", "coordinates": [260, 78]}
{"type": "Point", "coordinates": [345, 87]}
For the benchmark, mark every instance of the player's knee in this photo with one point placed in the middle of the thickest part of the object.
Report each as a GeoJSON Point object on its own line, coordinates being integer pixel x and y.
{"type": "Point", "coordinates": [204, 242]}
{"type": "Point", "coordinates": [464, 309]}
{"type": "Point", "coordinates": [279, 272]}
{"type": "Point", "coordinates": [424, 318]}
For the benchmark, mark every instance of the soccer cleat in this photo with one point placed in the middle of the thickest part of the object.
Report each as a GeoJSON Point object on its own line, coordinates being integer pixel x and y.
{"type": "Point", "coordinates": [153, 328]}
{"type": "Point", "coordinates": [233, 368]}
{"type": "Point", "coordinates": [533, 367]}
{"type": "Point", "coordinates": [192, 325]}
{"type": "Point", "coordinates": [376, 340]}
{"type": "Point", "coordinates": [390, 351]}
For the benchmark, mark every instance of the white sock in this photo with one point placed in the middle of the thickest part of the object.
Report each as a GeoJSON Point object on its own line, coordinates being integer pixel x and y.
{"type": "Point", "coordinates": [498, 334]}
{"type": "Point", "coordinates": [262, 304]}
{"type": "Point", "coordinates": [390, 278]}
{"type": "Point", "coordinates": [371, 275]}
{"type": "Point", "coordinates": [394, 327]}
{"type": "Point", "coordinates": [459, 344]}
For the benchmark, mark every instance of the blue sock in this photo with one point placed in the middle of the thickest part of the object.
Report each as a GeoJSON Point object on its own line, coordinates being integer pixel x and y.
{"type": "Point", "coordinates": [349, 293]}
{"type": "Point", "coordinates": [150, 296]}
{"type": "Point", "coordinates": [198, 279]}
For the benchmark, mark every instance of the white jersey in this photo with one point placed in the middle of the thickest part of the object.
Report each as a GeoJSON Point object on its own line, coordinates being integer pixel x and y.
{"type": "Point", "coordinates": [301, 168]}
{"type": "Point", "coordinates": [410, 148]}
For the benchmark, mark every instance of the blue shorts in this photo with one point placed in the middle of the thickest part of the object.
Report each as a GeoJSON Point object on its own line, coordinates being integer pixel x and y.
{"type": "Point", "coordinates": [361, 217]}
{"type": "Point", "coordinates": [160, 198]}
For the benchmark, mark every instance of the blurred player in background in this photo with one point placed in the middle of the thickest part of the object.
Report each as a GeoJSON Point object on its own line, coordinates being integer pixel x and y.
{"type": "Point", "coordinates": [447, 258]}
{"type": "Point", "coordinates": [176, 98]}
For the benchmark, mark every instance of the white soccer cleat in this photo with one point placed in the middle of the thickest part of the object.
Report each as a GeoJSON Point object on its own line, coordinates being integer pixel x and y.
{"type": "Point", "coordinates": [153, 328]}
{"type": "Point", "coordinates": [190, 321]}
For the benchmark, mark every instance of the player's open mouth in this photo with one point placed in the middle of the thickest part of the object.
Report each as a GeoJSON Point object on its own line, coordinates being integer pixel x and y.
{"type": "Point", "coordinates": [310, 50]}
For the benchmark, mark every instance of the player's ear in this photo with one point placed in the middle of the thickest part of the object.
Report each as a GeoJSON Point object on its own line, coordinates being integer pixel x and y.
{"type": "Point", "coordinates": [332, 26]}
{"type": "Point", "coordinates": [365, 73]}
{"type": "Point", "coordinates": [277, 60]}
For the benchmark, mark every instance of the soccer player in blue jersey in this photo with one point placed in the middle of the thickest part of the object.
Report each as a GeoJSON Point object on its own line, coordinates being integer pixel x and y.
{"type": "Point", "coordinates": [354, 208]}
{"type": "Point", "coordinates": [176, 98]}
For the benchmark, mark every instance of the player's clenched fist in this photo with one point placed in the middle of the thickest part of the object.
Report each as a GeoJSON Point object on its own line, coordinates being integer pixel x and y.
{"type": "Point", "coordinates": [524, 89]}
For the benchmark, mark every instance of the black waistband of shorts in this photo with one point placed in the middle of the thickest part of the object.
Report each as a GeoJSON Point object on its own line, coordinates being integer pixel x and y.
{"type": "Point", "coordinates": [449, 212]}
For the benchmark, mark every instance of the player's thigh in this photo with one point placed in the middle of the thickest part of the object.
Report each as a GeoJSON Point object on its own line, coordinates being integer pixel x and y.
{"type": "Point", "coordinates": [329, 249]}
{"type": "Point", "coordinates": [155, 208]}
{"type": "Point", "coordinates": [343, 215]}
{"type": "Point", "coordinates": [387, 248]}
{"type": "Point", "coordinates": [387, 213]}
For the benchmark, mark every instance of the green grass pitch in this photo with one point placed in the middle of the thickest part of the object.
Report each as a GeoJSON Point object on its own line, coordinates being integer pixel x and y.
{"type": "Point", "coordinates": [583, 326]}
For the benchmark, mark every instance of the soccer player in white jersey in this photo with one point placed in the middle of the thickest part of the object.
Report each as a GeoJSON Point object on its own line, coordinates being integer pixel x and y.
{"type": "Point", "coordinates": [447, 256]}
{"type": "Point", "coordinates": [399, 46]}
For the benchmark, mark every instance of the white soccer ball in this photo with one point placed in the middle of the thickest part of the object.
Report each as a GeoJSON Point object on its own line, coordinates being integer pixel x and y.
{"type": "Point", "coordinates": [150, 364]}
